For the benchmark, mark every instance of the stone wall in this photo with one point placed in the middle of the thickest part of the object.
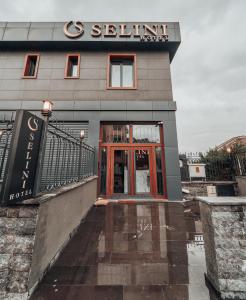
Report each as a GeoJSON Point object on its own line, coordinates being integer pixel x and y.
{"type": "Point", "coordinates": [224, 232]}
{"type": "Point", "coordinates": [196, 188]}
{"type": "Point", "coordinates": [17, 235]}
{"type": "Point", "coordinates": [200, 188]}
{"type": "Point", "coordinates": [32, 235]}
{"type": "Point", "coordinates": [241, 182]}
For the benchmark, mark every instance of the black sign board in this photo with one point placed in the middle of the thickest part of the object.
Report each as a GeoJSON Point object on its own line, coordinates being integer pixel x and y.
{"type": "Point", "coordinates": [23, 158]}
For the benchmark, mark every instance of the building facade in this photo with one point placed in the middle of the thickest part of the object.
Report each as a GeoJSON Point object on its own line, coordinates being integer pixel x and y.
{"type": "Point", "coordinates": [111, 79]}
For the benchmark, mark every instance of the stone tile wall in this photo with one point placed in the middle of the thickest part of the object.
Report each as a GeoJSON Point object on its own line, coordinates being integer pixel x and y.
{"type": "Point", "coordinates": [17, 235]}
{"type": "Point", "coordinates": [224, 228]}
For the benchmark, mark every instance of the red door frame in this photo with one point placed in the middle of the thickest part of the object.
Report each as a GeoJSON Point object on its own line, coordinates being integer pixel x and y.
{"type": "Point", "coordinates": [131, 169]}
{"type": "Point", "coordinates": [152, 161]}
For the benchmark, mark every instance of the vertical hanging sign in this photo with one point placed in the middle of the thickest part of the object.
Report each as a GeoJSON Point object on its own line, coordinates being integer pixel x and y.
{"type": "Point", "coordinates": [23, 158]}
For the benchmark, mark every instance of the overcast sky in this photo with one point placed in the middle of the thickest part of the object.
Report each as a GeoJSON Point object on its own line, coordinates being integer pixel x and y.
{"type": "Point", "coordinates": [208, 72]}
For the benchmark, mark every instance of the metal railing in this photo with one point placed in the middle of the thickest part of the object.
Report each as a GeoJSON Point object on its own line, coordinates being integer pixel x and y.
{"type": "Point", "coordinates": [67, 158]}
{"type": "Point", "coordinates": [6, 127]}
{"type": "Point", "coordinates": [218, 166]}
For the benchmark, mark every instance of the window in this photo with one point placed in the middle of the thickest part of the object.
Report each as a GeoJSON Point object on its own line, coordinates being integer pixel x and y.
{"type": "Point", "coordinates": [116, 133]}
{"type": "Point", "coordinates": [31, 66]}
{"type": "Point", "coordinates": [146, 133]}
{"type": "Point", "coordinates": [72, 66]}
{"type": "Point", "coordinates": [122, 71]}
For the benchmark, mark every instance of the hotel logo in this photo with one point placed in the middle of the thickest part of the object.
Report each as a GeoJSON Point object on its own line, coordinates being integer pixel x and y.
{"type": "Point", "coordinates": [142, 32]}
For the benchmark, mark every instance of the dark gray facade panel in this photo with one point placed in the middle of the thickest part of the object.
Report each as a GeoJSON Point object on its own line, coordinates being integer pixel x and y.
{"type": "Point", "coordinates": [10, 105]}
{"type": "Point", "coordinates": [174, 188]}
{"type": "Point", "coordinates": [170, 134]}
{"type": "Point", "coordinates": [40, 34]}
{"type": "Point", "coordinates": [160, 113]}
{"type": "Point", "coordinates": [15, 34]}
{"type": "Point", "coordinates": [113, 116]}
{"type": "Point", "coordinates": [65, 105]}
{"type": "Point", "coordinates": [162, 116]}
{"type": "Point", "coordinates": [1, 32]}
{"type": "Point", "coordinates": [42, 25]}
{"type": "Point", "coordinates": [139, 116]}
{"type": "Point", "coordinates": [172, 160]}
{"type": "Point", "coordinates": [113, 105]}
{"type": "Point", "coordinates": [32, 105]}
{"type": "Point", "coordinates": [135, 105]}
{"type": "Point", "coordinates": [18, 24]}
{"type": "Point", "coordinates": [87, 105]}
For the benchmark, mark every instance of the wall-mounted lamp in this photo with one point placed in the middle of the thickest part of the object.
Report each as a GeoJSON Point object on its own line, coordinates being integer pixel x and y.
{"type": "Point", "coordinates": [47, 108]}
{"type": "Point", "coordinates": [228, 150]}
{"type": "Point", "coordinates": [82, 134]}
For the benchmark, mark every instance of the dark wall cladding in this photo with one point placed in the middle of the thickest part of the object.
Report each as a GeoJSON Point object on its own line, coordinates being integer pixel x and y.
{"type": "Point", "coordinates": [153, 78]}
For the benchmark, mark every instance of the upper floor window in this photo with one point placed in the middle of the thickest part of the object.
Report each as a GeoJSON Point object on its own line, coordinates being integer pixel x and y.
{"type": "Point", "coordinates": [31, 66]}
{"type": "Point", "coordinates": [122, 71]}
{"type": "Point", "coordinates": [72, 66]}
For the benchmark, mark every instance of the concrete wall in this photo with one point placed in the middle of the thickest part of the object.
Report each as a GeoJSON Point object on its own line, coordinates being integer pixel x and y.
{"type": "Point", "coordinates": [241, 183]}
{"type": "Point", "coordinates": [32, 236]}
{"type": "Point", "coordinates": [57, 218]}
{"type": "Point", "coordinates": [153, 69]}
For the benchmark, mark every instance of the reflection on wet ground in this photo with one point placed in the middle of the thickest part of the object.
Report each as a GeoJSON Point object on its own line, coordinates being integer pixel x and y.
{"type": "Point", "coordinates": [132, 252]}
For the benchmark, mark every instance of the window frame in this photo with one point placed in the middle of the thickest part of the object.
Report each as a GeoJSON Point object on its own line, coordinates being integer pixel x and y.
{"type": "Point", "coordinates": [120, 56]}
{"type": "Point", "coordinates": [66, 66]}
{"type": "Point", "coordinates": [27, 56]}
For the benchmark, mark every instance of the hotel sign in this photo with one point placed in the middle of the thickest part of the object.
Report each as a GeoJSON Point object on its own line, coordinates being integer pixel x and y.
{"type": "Point", "coordinates": [23, 158]}
{"type": "Point", "coordinates": [140, 32]}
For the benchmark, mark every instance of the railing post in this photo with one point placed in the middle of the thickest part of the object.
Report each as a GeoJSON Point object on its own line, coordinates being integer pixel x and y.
{"type": "Point", "coordinates": [41, 157]}
{"type": "Point", "coordinates": [94, 161]}
{"type": "Point", "coordinates": [80, 158]}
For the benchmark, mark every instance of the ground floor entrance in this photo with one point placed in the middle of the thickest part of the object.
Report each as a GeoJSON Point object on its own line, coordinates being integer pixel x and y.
{"type": "Point", "coordinates": [131, 161]}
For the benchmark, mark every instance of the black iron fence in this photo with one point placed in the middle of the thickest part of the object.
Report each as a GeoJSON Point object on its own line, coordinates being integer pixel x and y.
{"type": "Point", "coordinates": [212, 166]}
{"type": "Point", "coordinates": [67, 158]}
{"type": "Point", "coordinates": [6, 127]}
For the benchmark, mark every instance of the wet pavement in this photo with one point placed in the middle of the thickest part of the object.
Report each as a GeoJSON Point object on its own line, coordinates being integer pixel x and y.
{"type": "Point", "coordinates": [132, 252]}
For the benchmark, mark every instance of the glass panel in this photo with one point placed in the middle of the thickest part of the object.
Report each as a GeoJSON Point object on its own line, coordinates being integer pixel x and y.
{"type": "Point", "coordinates": [116, 133]}
{"type": "Point", "coordinates": [30, 66]}
{"type": "Point", "coordinates": [142, 173]}
{"type": "Point", "coordinates": [115, 74]}
{"type": "Point", "coordinates": [103, 175]}
{"type": "Point", "coordinates": [73, 63]}
{"type": "Point", "coordinates": [127, 74]}
{"type": "Point", "coordinates": [121, 171]}
{"type": "Point", "coordinates": [158, 155]}
{"type": "Point", "coordinates": [146, 134]}
{"type": "Point", "coordinates": [33, 61]}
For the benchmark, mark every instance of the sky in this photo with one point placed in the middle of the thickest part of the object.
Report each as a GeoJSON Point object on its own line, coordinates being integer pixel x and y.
{"type": "Point", "coordinates": [208, 71]}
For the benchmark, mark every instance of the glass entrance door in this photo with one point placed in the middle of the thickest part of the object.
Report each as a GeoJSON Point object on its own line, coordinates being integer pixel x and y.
{"type": "Point", "coordinates": [142, 171]}
{"type": "Point", "coordinates": [131, 160]}
{"type": "Point", "coordinates": [131, 171]}
{"type": "Point", "coordinates": [121, 172]}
